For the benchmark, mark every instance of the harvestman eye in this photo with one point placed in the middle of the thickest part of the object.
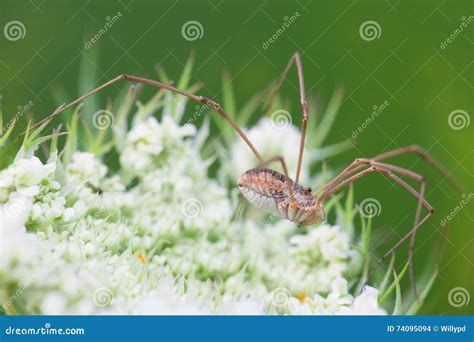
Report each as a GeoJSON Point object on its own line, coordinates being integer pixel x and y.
{"type": "Point", "coordinates": [277, 192]}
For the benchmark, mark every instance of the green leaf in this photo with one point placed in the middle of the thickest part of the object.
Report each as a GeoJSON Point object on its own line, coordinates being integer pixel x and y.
{"type": "Point", "coordinates": [176, 103]}
{"type": "Point", "coordinates": [393, 285]}
{"type": "Point", "coordinates": [228, 98]}
{"type": "Point", "coordinates": [120, 127]}
{"type": "Point", "coordinates": [398, 294]}
{"type": "Point", "coordinates": [419, 302]}
{"type": "Point", "coordinates": [71, 141]}
{"type": "Point", "coordinates": [323, 153]}
{"type": "Point", "coordinates": [202, 134]}
{"type": "Point", "coordinates": [60, 96]}
{"type": "Point", "coordinates": [4, 137]}
{"type": "Point", "coordinates": [88, 134]}
{"type": "Point", "coordinates": [149, 108]}
{"type": "Point", "coordinates": [30, 144]}
{"type": "Point", "coordinates": [187, 72]}
{"type": "Point", "coordinates": [330, 114]}
{"type": "Point", "coordinates": [98, 146]}
{"type": "Point", "coordinates": [27, 132]}
{"type": "Point", "coordinates": [365, 240]}
{"type": "Point", "coordinates": [349, 212]}
{"type": "Point", "coordinates": [87, 81]}
{"type": "Point", "coordinates": [384, 282]}
{"type": "Point", "coordinates": [366, 236]}
{"type": "Point", "coordinates": [38, 130]}
{"type": "Point", "coordinates": [53, 148]}
{"type": "Point", "coordinates": [248, 110]}
{"type": "Point", "coordinates": [162, 74]}
{"type": "Point", "coordinates": [42, 139]}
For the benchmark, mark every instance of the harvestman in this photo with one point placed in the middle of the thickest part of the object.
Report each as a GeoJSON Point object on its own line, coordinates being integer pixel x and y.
{"type": "Point", "coordinates": [278, 193]}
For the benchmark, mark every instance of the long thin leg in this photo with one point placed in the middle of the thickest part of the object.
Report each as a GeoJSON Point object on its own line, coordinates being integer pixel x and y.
{"type": "Point", "coordinates": [422, 153]}
{"type": "Point", "coordinates": [422, 181]}
{"type": "Point", "coordinates": [285, 170]}
{"type": "Point", "coordinates": [386, 169]}
{"type": "Point", "coordinates": [160, 85]}
{"type": "Point", "coordinates": [408, 149]}
{"type": "Point", "coordinates": [345, 172]}
{"type": "Point", "coordinates": [404, 150]}
{"type": "Point", "coordinates": [304, 105]}
{"type": "Point", "coordinates": [435, 164]}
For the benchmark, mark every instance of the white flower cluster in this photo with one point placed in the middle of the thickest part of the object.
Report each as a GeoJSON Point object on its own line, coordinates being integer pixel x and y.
{"type": "Point", "coordinates": [338, 302]}
{"type": "Point", "coordinates": [159, 236]}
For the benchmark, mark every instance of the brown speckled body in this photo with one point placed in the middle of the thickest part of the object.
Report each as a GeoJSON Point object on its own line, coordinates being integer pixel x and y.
{"type": "Point", "coordinates": [267, 189]}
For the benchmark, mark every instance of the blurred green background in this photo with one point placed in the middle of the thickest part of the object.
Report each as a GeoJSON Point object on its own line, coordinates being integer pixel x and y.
{"type": "Point", "coordinates": [410, 65]}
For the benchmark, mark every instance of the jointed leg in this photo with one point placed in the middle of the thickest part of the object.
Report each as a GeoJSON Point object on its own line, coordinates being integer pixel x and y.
{"type": "Point", "coordinates": [422, 153]}
{"type": "Point", "coordinates": [304, 105]}
{"type": "Point", "coordinates": [386, 169]}
{"type": "Point", "coordinates": [354, 166]}
{"type": "Point", "coordinates": [160, 85]}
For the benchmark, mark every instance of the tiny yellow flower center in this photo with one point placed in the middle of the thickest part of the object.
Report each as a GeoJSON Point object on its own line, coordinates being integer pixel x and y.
{"type": "Point", "coordinates": [301, 296]}
{"type": "Point", "coordinates": [141, 257]}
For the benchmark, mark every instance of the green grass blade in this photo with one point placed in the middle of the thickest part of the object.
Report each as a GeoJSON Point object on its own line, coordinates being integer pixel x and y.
{"type": "Point", "coordinates": [71, 141]}
{"type": "Point", "coordinates": [187, 72]}
{"type": "Point", "coordinates": [331, 150]}
{"type": "Point", "coordinates": [349, 212]}
{"type": "Point", "coordinates": [393, 285]}
{"type": "Point", "coordinates": [4, 137]}
{"type": "Point", "coordinates": [228, 97]}
{"type": "Point", "coordinates": [419, 303]}
{"type": "Point", "coordinates": [398, 294]}
{"type": "Point", "coordinates": [38, 130]}
{"type": "Point", "coordinates": [87, 81]}
{"type": "Point", "coordinates": [27, 132]}
{"type": "Point", "coordinates": [385, 278]}
{"type": "Point", "coordinates": [248, 110]}
{"type": "Point", "coordinates": [330, 114]}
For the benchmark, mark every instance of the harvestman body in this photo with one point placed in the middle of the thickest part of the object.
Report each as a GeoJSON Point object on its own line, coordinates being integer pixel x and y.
{"type": "Point", "coordinates": [277, 193]}
{"type": "Point", "coordinates": [267, 189]}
